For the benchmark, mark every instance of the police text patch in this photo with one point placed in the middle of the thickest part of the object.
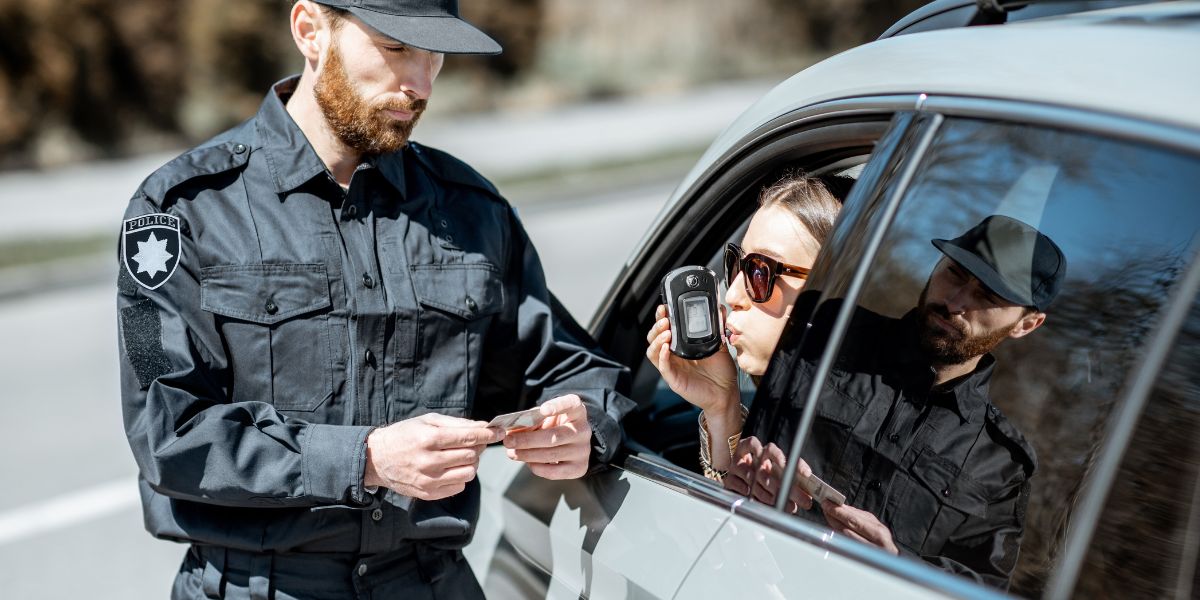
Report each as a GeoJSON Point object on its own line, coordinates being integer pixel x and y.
{"type": "Point", "coordinates": [150, 248]}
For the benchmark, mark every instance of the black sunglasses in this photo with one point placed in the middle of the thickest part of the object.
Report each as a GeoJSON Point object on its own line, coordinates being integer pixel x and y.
{"type": "Point", "coordinates": [760, 271]}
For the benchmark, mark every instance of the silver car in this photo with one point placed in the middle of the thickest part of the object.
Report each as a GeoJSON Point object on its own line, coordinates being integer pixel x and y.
{"type": "Point", "coordinates": [1084, 123]}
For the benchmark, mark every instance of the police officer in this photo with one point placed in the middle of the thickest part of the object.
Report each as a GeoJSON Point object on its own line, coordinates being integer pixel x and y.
{"type": "Point", "coordinates": [313, 310]}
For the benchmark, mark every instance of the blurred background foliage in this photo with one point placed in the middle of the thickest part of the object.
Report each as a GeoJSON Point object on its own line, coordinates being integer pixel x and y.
{"type": "Point", "coordinates": [89, 79]}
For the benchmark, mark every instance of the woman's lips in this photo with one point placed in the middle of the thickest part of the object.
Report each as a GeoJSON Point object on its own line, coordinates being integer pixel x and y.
{"type": "Point", "coordinates": [732, 335]}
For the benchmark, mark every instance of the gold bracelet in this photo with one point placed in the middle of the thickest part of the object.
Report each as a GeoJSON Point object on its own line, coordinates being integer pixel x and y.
{"type": "Point", "coordinates": [706, 452]}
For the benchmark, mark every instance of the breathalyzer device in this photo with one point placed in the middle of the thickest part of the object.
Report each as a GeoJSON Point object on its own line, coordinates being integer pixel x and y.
{"type": "Point", "coordinates": [690, 294]}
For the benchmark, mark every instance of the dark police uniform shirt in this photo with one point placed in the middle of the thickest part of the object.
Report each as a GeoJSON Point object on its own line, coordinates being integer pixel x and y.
{"type": "Point", "coordinates": [300, 315]}
{"type": "Point", "coordinates": [941, 467]}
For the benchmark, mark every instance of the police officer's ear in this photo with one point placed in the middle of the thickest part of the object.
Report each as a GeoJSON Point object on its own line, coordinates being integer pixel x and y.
{"type": "Point", "coordinates": [1031, 320]}
{"type": "Point", "coordinates": [309, 30]}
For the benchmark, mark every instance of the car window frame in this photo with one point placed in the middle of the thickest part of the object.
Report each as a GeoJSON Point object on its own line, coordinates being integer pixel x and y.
{"type": "Point", "coordinates": [811, 137]}
{"type": "Point", "coordinates": [1130, 400]}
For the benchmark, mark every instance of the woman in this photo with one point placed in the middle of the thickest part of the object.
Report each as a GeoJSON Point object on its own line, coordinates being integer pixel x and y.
{"type": "Point", "coordinates": [764, 275]}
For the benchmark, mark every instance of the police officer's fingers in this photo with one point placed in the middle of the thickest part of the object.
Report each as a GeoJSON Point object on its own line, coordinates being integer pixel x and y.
{"type": "Point", "coordinates": [567, 433]}
{"type": "Point", "coordinates": [562, 470]}
{"type": "Point", "coordinates": [441, 420]}
{"type": "Point", "coordinates": [570, 405]}
{"type": "Point", "coordinates": [456, 437]}
{"type": "Point", "coordinates": [660, 312]}
{"type": "Point", "coordinates": [556, 454]}
{"type": "Point", "coordinates": [442, 492]}
{"type": "Point", "coordinates": [456, 475]}
{"type": "Point", "coordinates": [456, 457]}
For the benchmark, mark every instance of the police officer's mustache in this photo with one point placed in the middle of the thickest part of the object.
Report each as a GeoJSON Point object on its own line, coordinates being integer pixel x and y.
{"type": "Point", "coordinates": [416, 106]}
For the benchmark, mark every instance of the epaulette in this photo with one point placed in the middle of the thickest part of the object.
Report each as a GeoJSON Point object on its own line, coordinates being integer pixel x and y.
{"type": "Point", "coordinates": [208, 159]}
{"type": "Point", "coordinates": [446, 167]}
{"type": "Point", "coordinates": [1016, 439]}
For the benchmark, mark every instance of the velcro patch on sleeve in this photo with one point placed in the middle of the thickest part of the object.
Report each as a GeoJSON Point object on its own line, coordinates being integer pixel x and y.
{"type": "Point", "coordinates": [141, 328]}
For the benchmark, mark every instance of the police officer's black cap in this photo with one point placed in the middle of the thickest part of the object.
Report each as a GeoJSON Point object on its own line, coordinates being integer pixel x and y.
{"type": "Point", "coordinates": [1013, 259]}
{"type": "Point", "coordinates": [433, 25]}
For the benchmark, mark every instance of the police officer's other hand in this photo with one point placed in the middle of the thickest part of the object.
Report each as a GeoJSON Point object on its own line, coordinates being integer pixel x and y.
{"type": "Point", "coordinates": [859, 524]}
{"type": "Point", "coordinates": [429, 457]}
{"type": "Point", "coordinates": [709, 383]}
{"type": "Point", "coordinates": [560, 446]}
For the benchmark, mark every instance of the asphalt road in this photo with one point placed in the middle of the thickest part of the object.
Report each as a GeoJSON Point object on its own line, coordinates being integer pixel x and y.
{"type": "Point", "coordinates": [70, 523]}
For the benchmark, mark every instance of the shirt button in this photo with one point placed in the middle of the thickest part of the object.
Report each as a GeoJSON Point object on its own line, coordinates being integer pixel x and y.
{"type": "Point", "coordinates": [874, 485]}
{"type": "Point", "coordinates": [271, 307]}
{"type": "Point", "coordinates": [946, 493]}
{"type": "Point", "coordinates": [377, 514]}
{"type": "Point", "coordinates": [362, 569]}
{"type": "Point", "coordinates": [369, 357]}
{"type": "Point", "coordinates": [894, 438]}
{"type": "Point", "coordinates": [443, 223]}
{"type": "Point", "coordinates": [368, 280]}
{"type": "Point", "coordinates": [239, 148]}
{"type": "Point", "coordinates": [351, 211]}
{"type": "Point", "coordinates": [471, 306]}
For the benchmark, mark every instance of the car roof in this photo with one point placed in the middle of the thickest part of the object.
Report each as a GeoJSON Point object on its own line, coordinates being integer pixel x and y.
{"type": "Point", "coordinates": [1135, 61]}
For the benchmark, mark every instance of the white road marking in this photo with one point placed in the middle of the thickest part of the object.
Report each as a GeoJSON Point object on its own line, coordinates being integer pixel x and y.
{"type": "Point", "coordinates": [68, 509]}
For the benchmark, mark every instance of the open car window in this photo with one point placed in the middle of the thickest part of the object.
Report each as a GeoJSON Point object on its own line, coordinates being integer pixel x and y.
{"type": "Point", "coordinates": [663, 424]}
{"type": "Point", "coordinates": [965, 443]}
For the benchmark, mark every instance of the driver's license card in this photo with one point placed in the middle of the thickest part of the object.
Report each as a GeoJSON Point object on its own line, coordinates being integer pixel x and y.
{"type": "Point", "coordinates": [819, 490]}
{"type": "Point", "coordinates": [516, 422]}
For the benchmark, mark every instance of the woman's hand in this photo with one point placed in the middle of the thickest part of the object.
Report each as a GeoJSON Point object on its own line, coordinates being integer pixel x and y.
{"type": "Point", "coordinates": [709, 383]}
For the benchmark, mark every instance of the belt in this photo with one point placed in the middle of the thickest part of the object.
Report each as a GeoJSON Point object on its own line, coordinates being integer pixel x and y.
{"type": "Point", "coordinates": [258, 571]}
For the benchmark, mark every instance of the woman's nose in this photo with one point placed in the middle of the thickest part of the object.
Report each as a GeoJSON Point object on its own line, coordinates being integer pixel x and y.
{"type": "Point", "coordinates": [736, 296]}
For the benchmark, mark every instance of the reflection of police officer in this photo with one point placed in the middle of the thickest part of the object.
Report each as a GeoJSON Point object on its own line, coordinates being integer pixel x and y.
{"type": "Point", "coordinates": [905, 426]}
{"type": "Point", "coordinates": [294, 284]}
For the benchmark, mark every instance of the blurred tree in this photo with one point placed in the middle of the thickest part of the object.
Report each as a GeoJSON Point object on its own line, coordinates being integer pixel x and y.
{"type": "Point", "coordinates": [91, 78]}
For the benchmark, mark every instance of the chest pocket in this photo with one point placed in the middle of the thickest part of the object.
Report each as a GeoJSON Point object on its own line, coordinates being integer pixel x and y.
{"type": "Point", "coordinates": [930, 500]}
{"type": "Point", "coordinates": [458, 301]}
{"type": "Point", "coordinates": [275, 321]}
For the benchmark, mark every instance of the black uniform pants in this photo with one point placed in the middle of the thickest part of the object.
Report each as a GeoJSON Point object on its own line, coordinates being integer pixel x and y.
{"type": "Point", "coordinates": [417, 572]}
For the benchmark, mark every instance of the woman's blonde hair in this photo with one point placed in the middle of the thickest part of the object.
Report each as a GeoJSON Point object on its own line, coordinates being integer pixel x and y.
{"type": "Point", "coordinates": [814, 201]}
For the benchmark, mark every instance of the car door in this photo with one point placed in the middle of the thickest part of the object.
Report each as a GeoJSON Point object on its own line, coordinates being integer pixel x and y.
{"type": "Point", "coordinates": [1118, 196]}
{"type": "Point", "coordinates": [635, 530]}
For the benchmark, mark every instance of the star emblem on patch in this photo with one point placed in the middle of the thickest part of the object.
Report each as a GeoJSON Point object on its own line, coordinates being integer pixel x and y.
{"type": "Point", "coordinates": [150, 248]}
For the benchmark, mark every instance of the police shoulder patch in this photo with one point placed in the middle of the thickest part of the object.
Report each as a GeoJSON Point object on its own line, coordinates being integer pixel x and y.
{"type": "Point", "coordinates": [151, 248]}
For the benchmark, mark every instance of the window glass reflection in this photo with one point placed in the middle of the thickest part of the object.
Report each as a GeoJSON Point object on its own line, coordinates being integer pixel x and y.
{"type": "Point", "coordinates": [1147, 542]}
{"type": "Point", "coordinates": [1021, 276]}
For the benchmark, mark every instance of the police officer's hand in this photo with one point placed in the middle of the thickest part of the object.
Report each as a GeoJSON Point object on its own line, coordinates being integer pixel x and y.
{"type": "Point", "coordinates": [709, 383]}
{"type": "Point", "coordinates": [429, 457]}
{"type": "Point", "coordinates": [562, 443]}
{"type": "Point", "coordinates": [859, 524]}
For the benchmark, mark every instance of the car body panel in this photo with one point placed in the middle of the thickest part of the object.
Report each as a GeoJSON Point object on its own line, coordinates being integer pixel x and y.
{"type": "Point", "coordinates": [613, 534]}
{"type": "Point", "coordinates": [746, 560]}
{"type": "Point", "coordinates": [1158, 74]}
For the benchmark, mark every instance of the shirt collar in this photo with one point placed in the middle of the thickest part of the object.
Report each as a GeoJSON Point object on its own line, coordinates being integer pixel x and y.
{"type": "Point", "coordinates": [290, 157]}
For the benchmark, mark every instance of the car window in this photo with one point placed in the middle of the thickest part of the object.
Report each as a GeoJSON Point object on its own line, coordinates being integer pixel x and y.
{"type": "Point", "coordinates": [1015, 286]}
{"type": "Point", "coordinates": [675, 420]}
{"type": "Point", "coordinates": [1147, 541]}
